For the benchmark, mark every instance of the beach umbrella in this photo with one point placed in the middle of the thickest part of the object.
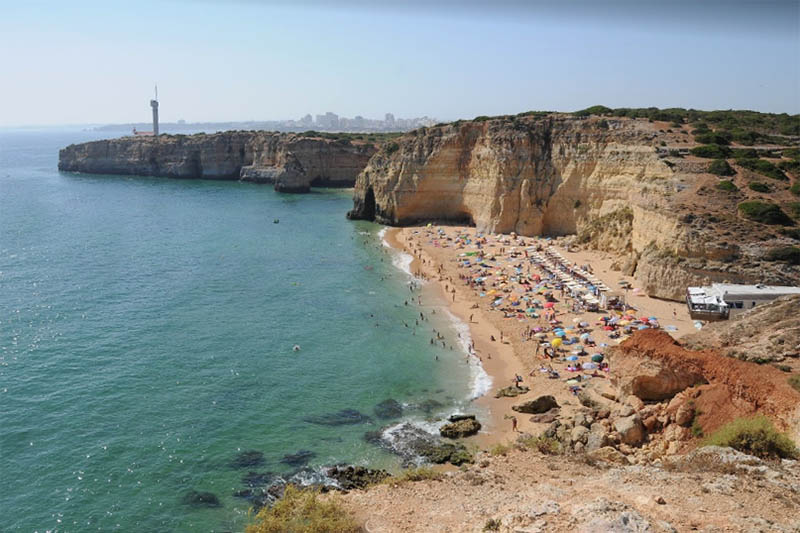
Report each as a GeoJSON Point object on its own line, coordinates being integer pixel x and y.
{"type": "Point", "coordinates": [555, 343]}
{"type": "Point", "coordinates": [608, 328]}
{"type": "Point", "coordinates": [584, 336]}
{"type": "Point", "coordinates": [643, 327]}
{"type": "Point", "coordinates": [671, 328]}
{"type": "Point", "coordinates": [572, 358]}
{"type": "Point", "coordinates": [603, 345]}
{"type": "Point", "coordinates": [541, 335]}
{"type": "Point", "coordinates": [572, 382]}
{"type": "Point", "coordinates": [549, 305]}
{"type": "Point", "coordinates": [576, 319]}
{"type": "Point", "coordinates": [537, 329]}
{"type": "Point", "coordinates": [560, 334]}
{"type": "Point", "coordinates": [653, 318]}
{"type": "Point", "coordinates": [584, 324]}
{"type": "Point", "coordinates": [589, 366]}
{"type": "Point", "coordinates": [597, 358]}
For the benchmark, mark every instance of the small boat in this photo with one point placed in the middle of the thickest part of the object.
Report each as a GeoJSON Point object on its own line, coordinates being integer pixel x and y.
{"type": "Point", "coordinates": [276, 221]}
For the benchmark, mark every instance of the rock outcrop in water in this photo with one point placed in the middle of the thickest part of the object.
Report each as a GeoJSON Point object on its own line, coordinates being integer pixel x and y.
{"type": "Point", "coordinates": [292, 162]}
{"type": "Point", "coordinates": [603, 181]}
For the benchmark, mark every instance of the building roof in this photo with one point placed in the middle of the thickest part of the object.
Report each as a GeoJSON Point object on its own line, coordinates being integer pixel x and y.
{"type": "Point", "coordinates": [759, 289]}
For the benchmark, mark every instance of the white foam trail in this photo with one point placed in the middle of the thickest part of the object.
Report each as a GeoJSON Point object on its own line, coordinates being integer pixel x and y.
{"type": "Point", "coordinates": [480, 381]}
{"type": "Point", "coordinates": [400, 259]}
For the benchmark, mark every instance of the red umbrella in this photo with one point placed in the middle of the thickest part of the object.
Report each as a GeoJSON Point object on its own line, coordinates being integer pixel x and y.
{"type": "Point", "coordinates": [549, 305]}
{"type": "Point", "coordinates": [608, 328]}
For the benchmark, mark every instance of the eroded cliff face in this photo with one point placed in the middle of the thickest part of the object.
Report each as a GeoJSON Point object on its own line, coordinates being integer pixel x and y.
{"type": "Point", "coordinates": [293, 163]}
{"type": "Point", "coordinates": [601, 180]}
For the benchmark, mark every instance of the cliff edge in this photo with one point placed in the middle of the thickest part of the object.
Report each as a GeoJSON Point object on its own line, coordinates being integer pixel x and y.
{"type": "Point", "coordinates": [607, 181]}
{"type": "Point", "coordinates": [292, 162]}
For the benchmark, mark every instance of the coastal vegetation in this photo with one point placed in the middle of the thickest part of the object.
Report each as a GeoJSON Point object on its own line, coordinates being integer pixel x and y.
{"type": "Point", "coordinates": [377, 137]}
{"type": "Point", "coordinates": [762, 167]}
{"type": "Point", "coordinates": [720, 167]}
{"type": "Point", "coordinates": [744, 127]}
{"type": "Point", "coordinates": [411, 475]}
{"type": "Point", "coordinates": [794, 381]}
{"type": "Point", "coordinates": [795, 188]}
{"type": "Point", "coordinates": [764, 212]}
{"type": "Point", "coordinates": [788, 254]}
{"type": "Point", "coordinates": [302, 511]}
{"type": "Point", "coordinates": [759, 187]}
{"type": "Point", "coordinates": [727, 186]}
{"type": "Point", "coordinates": [754, 436]}
{"type": "Point", "coordinates": [711, 151]}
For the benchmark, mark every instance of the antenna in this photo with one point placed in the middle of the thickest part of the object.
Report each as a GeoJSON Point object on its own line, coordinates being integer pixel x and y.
{"type": "Point", "coordinates": [156, 92]}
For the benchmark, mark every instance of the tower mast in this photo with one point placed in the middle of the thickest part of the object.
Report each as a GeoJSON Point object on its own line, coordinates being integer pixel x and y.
{"type": "Point", "coordinates": [154, 105]}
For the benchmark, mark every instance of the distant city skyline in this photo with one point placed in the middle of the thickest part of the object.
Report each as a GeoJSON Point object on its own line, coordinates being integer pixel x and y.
{"type": "Point", "coordinates": [95, 62]}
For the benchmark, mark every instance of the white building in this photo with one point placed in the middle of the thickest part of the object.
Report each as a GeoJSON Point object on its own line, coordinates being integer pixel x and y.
{"type": "Point", "coordinates": [721, 300]}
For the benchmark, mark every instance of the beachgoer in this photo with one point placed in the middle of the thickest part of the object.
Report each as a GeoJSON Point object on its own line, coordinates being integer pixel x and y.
{"type": "Point", "coordinates": [514, 424]}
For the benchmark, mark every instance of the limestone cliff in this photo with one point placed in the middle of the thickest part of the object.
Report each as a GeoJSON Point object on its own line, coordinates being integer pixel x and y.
{"type": "Point", "coordinates": [602, 180]}
{"type": "Point", "coordinates": [292, 162]}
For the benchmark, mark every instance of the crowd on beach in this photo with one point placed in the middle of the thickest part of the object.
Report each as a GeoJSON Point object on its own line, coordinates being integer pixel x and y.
{"type": "Point", "coordinates": [561, 315]}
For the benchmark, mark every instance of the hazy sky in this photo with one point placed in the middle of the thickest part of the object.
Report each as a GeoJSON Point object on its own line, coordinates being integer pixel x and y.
{"type": "Point", "coordinates": [96, 61]}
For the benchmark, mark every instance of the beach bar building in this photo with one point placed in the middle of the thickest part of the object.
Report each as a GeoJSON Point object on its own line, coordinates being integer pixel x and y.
{"type": "Point", "coordinates": [721, 300]}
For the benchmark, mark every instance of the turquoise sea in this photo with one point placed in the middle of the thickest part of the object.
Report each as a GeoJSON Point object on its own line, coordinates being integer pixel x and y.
{"type": "Point", "coordinates": [146, 338]}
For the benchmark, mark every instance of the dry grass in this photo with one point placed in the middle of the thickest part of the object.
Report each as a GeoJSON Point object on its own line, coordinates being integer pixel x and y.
{"type": "Point", "coordinates": [411, 475]}
{"type": "Point", "coordinates": [301, 511]}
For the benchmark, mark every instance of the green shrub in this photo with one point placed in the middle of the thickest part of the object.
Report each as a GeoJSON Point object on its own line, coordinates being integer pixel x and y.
{"type": "Point", "coordinates": [794, 381]}
{"type": "Point", "coordinates": [759, 187]}
{"type": "Point", "coordinates": [392, 148]}
{"type": "Point", "coordinates": [793, 166]}
{"type": "Point", "coordinates": [720, 167]}
{"type": "Point", "coordinates": [754, 436]}
{"type": "Point", "coordinates": [499, 449]}
{"type": "Point", "coordinates": [492, 524]}
{"type": "Point", "coordinates": [594, 110]}
{"type": "Point", "coordinates": [793, 153]}
{"type": "Point", "coordinates": [763, 212]}
{"type": "Point", "coordinates": [711, 151]}
{"type": "Point", "coordinates": [789, 254]}
{"type": "Point", "coordinates": [301, 511]}
{"type": "Point", "coordinates": [727, 186]}
{"type": "Point", "coordinates": [603, 124]}
{"type": "Point", "coordinates": [795, 188]}
{"type": "Point", "coordinates": [712, 138]}
{"type": "Point", "coordinates": [762, 167]}
{"type": "Point", "coordinates": [792, 233]}
{"type": "Point", "coordinates": [416, 474]}
{"type": "Point", "coordinates": [794, 209]}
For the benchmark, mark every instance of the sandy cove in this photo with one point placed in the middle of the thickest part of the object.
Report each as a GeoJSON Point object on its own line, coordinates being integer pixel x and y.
{"type": "Point", "coordinates": [435, 258]}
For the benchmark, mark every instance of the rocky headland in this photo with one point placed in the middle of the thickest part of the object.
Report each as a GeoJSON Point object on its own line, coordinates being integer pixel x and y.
{"type": "Point", "coordinates": [628, 186]}
{"type": "Point", "coordinates": [292, 162]}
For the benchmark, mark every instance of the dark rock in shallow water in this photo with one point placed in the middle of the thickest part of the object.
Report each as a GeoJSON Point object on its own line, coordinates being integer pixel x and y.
{"type": "Point", "coordinates": [458, 418]}
{"type": "Point", "coordinates": [413, 443]}
{"type": "Point", "coordinates": [373, 437]}
{"type": "Point", "coordinates": [197, 498]}
{"type": "Point", "coordinates": [339, 418]}
{"type": "Point", "coordinates": [388, 409]}
{"type": "Point", "coordinates": [258, 479]}
{"type": "Point", "coordinates": [356, 477]}
{"type": "Point", "coordinates": [463, 426]}
{"type": "Point", "coordinates": [429, 405]}
{"type": "Point", "coordinates": [298, 459]}
{"type": "Point", "coordinates": [248, 459]}
{"type": "Point", "coordinates": [542, 404]}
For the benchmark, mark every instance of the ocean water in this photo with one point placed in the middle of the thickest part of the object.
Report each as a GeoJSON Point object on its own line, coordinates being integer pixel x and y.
{"type": "Point", "coordinates": [146, 337]}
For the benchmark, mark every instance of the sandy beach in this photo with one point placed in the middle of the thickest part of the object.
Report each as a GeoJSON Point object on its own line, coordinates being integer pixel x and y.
{"type": "Point", "coordinates": [437, 250]}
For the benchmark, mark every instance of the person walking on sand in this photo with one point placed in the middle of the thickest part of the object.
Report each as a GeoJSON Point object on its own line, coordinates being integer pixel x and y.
{"type": "Point", "coordinates": [514, 424]}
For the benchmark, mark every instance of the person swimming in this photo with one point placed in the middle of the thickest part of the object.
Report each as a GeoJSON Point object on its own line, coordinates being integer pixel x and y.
{"type": "Point", "coordinates": [296, 348]}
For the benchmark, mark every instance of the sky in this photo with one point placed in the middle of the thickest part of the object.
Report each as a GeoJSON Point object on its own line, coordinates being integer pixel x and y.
{"type": "Point", "coordinates": [96, 62]}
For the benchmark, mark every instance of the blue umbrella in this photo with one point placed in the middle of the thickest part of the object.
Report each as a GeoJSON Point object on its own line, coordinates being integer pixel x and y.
{"type": "Point", "coordinates": [584, 336]}
{"type": "Point", "coordinates": [560, 334]}
{"type": "Point", "coordinates": [643, 327]}
{"type": "Point", "coordinates": [572, 358]}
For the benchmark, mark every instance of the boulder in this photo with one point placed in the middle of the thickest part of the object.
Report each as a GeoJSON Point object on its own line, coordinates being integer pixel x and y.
{"type": "Point", "coordinates": [608, 455]}
{"type": "Point", "coordinates": [463, 427]}
{"type": "Point", "coordinates": [542, 404]}
{"type": "Point", "coordinates": [511, 391]}
{"type": "Point", "coordinates": [356, 477]}
{"type": "Point", "coordinates": [579, 434]}
{"type": "Point", "coordinates": [597, 437]}
{"type": "Point", "coordinates": [546, 418]}
{"type": "Point", "coordinates": [684, 414]}
{"type": "Point", "coordinates": [631, 429]}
